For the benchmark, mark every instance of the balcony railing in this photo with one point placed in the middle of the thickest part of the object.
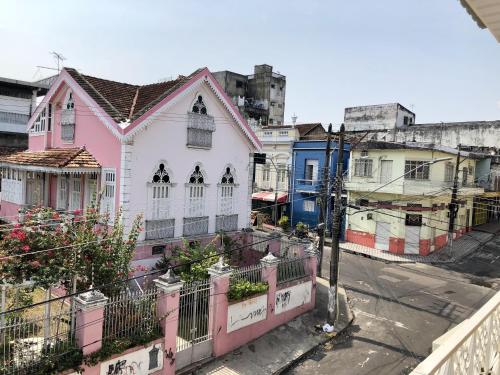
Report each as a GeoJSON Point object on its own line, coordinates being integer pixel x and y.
{"type": "Point", "coordinates": [307, 185]}
{"type": "Point", "coordinates": [472, 347]}
{"type": "Point", "coordinates": [195, 225]}
{"type": "Point", "coordinates": [14, 118]}
{"type": "Point", "coordinates": [227, 223]}
{"type": "Point", "coordinates": [158, 229]}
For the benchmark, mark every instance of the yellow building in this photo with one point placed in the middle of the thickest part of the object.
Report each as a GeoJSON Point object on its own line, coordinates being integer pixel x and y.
{"type": "Point", "coordinates": [399, 194]}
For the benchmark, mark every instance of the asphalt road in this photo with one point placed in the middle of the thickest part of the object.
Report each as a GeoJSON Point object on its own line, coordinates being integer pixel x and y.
{"type": "Point", "coordinates": [400, 309]}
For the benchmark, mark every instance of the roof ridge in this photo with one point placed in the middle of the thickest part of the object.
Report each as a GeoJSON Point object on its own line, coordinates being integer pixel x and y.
{"type": "Point", "coordinates": [98, 93]}
{"type": "Point", "coordinates": [71, 157]}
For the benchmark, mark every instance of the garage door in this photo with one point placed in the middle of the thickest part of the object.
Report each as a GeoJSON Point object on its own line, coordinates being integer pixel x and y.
{"type": "Point", "coordinates": [412, 239]}
{"type": "Point", "coordinates": [382, 235]}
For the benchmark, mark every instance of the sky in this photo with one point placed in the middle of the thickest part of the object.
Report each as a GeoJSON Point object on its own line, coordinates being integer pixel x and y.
{"type": "Point", "coordinates": [428, 55]}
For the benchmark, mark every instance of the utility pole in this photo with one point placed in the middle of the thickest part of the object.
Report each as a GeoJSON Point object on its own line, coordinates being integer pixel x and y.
{"type": "Point", "coordinates": [453, 206]}
{"type": "Point", "coordinates": [324, 199]}
{"type": "Point", "coordinates": [336, 220]}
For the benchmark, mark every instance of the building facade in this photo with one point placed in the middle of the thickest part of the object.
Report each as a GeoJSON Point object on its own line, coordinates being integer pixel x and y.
{"type": "Point", "coordinates": [260, 97]}
{"type": "Point", "coordinates": [18, 100]}
{"type": "Point", "coordinates": [398, 196]}
{"type": "Point", "coordinates": [308, 162]}
{"type": "Point", "coordinates": [177, 152]}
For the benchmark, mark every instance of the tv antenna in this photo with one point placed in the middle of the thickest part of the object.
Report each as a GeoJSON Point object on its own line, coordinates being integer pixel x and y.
{"type": "Point", "coordinates": [60, 58]}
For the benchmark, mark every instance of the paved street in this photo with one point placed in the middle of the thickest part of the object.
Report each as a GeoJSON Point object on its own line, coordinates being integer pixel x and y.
{"type": "Point", "coordinates": [400, 309]}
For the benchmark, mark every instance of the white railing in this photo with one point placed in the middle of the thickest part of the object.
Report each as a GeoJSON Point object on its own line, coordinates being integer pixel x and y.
{"type": "Point", "coordinates": [473, 347]}
{"type": "Point", "coordinates": [12, 191]}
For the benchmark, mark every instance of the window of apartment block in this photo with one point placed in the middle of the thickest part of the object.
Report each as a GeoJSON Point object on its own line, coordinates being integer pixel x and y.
{"type": "Point", "coordinates": [283, 133]}
{"type": "Point", "coordinates": [273, 104]}
{"type": "Point", "coordinates": [273, 85]}
{"type": "Point", "coordinates": [109, 191]}
{"type": "Point", "coordinates": [311, 170]}
{"type": "Point", "coordinates": [363, 167]}
{"type": "Point", "coordinates": [449, 171]}
{"type": "Point", "coordinates": [280, 105]}
{"type": "Point", "coordinates": [268, 133]}
{"type": "Point", "coordinates": [266, 172]}
{"type": "Point", "coordinates": [309, 206]}
{"type": "Point", "coordinates": [281, 173]}
{"type": "Point", "coordinates": [405, 120]}
{"type": "Point", "coordinates": [271, 121]}
{"type": "Point", "coordinates": [413, 220]}
{"type": "Point", "coordinates": [40, 122]}
{"type": "Point", "coordinates": [239, 84]}
{"type": "Point", "coordinates": [465, 175]}
{"type": "Point", "coordinates": [279, 122]}
{"type": "Point", "coordinates": [416, 170]}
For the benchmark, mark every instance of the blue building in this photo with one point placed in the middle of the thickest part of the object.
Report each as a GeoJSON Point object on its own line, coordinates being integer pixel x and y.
{"type": "Point", "coordinates": [308, 161]}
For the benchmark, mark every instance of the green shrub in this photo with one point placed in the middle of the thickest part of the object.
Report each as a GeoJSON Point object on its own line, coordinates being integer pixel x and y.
{"type": "Point", "coordinates": [301, 230]}
{"type": "Point", "coordinates": [244, 288]}
{"type": "Point", "coordinates": [284, 223]}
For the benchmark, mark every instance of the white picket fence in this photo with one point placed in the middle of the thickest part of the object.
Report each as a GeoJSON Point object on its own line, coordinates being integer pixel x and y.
{"type": "Point", "coordinates": [473, 348]}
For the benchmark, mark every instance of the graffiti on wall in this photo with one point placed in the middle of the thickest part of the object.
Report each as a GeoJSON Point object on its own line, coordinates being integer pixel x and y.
{"type": "Point", "coordinates": [292, 297]}
{"type": "Point", "coordinates": [140, 362]}
{"type": "Point", "coordinates": [248, 312]}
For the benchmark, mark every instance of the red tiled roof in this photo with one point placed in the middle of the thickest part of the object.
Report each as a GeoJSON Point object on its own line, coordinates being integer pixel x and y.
{"type": "Point", "coordinates": [123, 101]}
{"type": "Point", "coordinates": [54, 158]}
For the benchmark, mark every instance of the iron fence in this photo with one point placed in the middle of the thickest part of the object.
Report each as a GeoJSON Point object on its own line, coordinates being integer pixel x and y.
{"type": "Point", "coordinates": [131, 314]}
{"type": "Point", "coordinates": [252, 274]}
{"type": "Point", "coordinates": [26, 341]}
{"type": "Point", "coordinates": [291, 269]}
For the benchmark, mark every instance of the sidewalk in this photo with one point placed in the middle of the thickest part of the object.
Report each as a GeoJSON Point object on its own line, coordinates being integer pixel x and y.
{"type": "Point", "coordinates": [461, 248]}
{"type": "Point", "coordinates": [279, 349]}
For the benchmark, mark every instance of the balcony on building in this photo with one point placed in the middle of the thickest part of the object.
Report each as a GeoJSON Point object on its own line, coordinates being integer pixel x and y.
{"type": "Point", "coordinates": [307, 186]}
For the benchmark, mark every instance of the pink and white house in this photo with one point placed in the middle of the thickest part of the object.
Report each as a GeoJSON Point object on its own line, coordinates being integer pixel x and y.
{"type": "Point", "coordinates": [178, 152]}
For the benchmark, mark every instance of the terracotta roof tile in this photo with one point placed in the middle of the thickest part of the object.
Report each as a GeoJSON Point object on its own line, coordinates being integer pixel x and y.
{"type": "Point", "coordinates": [124, 101]}
{"type": "Point", "coordinates": [54, 158]}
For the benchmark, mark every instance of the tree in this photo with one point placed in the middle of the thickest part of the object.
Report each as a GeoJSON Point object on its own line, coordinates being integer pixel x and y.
{"type": "Point", "coordinates": [50, 249]}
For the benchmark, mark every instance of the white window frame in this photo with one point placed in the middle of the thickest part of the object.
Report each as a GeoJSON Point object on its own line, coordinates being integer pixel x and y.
{"type": "Point", "coordinates": [449, 172]}
{"type": "Point", "coordinates": [40, 122]}
{"type": "Point", "coordinates": [34, 188]}
{"type": "Point", "coordinates": [309, 206]}
{"type": "Point", "coordinates": [91, 193]}
{"type": "Point", "coordinates": [62, 192]}
{"type": "Point", "coordinates": [109, 192]}
{"type": "Point", "coordinates": [363, 167]}
{"type": "Point", "coordinates": [226, 194]}
{"type": "Point", "coordinates": [159, 197]}
{"type": "Point", "coordinates": [314, 163]}
{"type": "Point", "coordinates": [420, 170]}
{"type": "Point", "coordinates": [195, 204]}
{"type": "Point", "coordinates": [75, 196]}
{"type": "Point", "coordinates": [12, 186]}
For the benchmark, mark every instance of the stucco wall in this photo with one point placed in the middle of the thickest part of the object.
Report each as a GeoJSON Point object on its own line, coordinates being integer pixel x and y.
{"type": "Point", "coordinates": [165, 140]}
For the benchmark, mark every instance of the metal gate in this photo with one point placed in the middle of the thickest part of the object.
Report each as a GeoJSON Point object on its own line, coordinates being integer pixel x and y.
{"type": "Point", "coordinates": [194, 333]}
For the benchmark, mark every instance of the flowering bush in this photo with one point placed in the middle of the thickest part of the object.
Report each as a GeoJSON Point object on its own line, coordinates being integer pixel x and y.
{"type": "Point", "coordinates": [49, 248]}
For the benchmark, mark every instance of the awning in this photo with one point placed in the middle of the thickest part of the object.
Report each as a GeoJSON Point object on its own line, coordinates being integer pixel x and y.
{"type": "Point", "coordinates": [268, 196]}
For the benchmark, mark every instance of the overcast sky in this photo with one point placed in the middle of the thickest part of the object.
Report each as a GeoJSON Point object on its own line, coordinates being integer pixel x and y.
{"type": "Point", "coordinates": [429, 55]}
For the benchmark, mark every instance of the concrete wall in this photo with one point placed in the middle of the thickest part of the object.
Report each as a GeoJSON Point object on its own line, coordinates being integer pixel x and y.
{"type": "Point", "coordinates": [377, 117]}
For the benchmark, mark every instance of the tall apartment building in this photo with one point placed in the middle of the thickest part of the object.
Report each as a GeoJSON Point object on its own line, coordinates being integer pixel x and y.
{"type": "Point", "coordinates": [17, 103]}
{"type": "Point", "coordinates": [260, 97]}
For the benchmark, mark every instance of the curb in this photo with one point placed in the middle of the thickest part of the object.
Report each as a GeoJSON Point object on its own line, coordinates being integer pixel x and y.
{"type": "Point", "coordinates": [350, 318]}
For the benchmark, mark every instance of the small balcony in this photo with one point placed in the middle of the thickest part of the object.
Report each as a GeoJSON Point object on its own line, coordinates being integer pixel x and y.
{"type": "Point", "coordinates": [307, 186]}
{"type": "Point", "coordinates": [159, 229]}
{"type": "Point", "coordinates": [195, 225]}
{"type": "Point", "coordinates": [226, 223]}
{"type": "Point", "coordinates": [200, 129]}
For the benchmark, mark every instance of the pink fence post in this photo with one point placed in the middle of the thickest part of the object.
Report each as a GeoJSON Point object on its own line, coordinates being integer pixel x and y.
{"type": "Point", "coordinates": [270, 274]}
{"type": "Point", "coordinates": [89, 320]}
{"type": "Point", "coordinates": [311, 267]}
{"type": "Point", "coordinates": [167, 307]}
{"type": "Point", "coordinates": [219, 278]}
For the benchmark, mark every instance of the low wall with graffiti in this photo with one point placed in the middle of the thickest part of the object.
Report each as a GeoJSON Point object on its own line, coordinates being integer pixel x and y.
{"type": "Point", "coordinates": [237, 323]}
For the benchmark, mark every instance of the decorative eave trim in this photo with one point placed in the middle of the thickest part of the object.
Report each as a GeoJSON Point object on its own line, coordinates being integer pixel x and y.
{"type": "Point", "coordinates": [203, 76]}
{"type": "Point", "coordinates": [38, 168]}
{"type": "Point", "coordinates": [65, 77]}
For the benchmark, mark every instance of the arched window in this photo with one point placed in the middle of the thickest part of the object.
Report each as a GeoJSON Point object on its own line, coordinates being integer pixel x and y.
{"type": "Point", "coordinates": [68, 119]}
{"type": "Point", "coordinates": [159, 195]}
{"type": "Point", "coordinates": [227, 218]}
{"type": "Point", "coordinates": [70, 104]}
{"type": "Point", "coordinates": [200, 125]}
{"type": "Point", "coordinates": [196, 194]}
{"type": "Point", "coordinates": [199, 106]}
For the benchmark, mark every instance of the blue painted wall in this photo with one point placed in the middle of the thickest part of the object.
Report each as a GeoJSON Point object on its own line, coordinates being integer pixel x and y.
{"type": "Point", "coordinates": [301, 191]}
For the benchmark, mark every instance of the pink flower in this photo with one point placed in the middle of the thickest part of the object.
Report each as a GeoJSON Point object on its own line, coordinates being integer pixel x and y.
{"type": "Point", "coordinates": [77, 212]}
{"type": "Point", "coordinates": [55, 215]}
{"type": "Point", "coordinates": [17, 225]}
{"type": "Point", "coordinates": [50, 253]}
{"type": "Point", "coordinates": [26, 248]}
{"type": "Point", "coordinates": [35, 264]}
